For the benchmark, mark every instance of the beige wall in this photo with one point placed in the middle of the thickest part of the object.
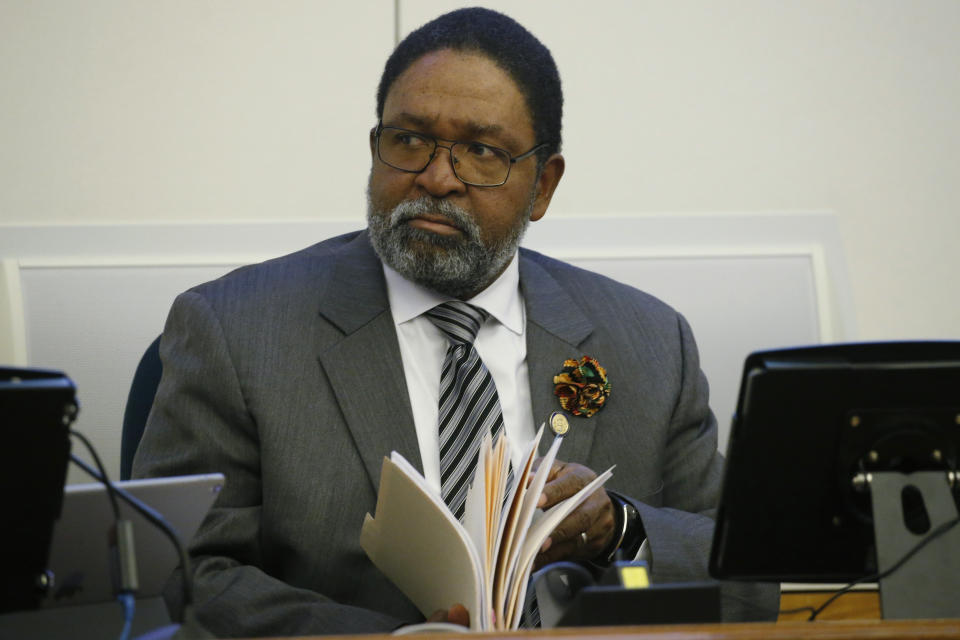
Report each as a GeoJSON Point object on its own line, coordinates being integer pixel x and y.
{"type": "Point", "coordinates": [117, 111]}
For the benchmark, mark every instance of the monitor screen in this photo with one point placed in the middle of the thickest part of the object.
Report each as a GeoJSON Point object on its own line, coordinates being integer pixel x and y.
{"type": "Point", "coordinates": [36, 409]}
{"type": "Point", "coordinates": [811, 423]}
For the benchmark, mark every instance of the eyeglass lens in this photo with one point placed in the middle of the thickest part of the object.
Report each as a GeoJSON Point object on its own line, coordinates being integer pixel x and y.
{"type": "Point", "coordinates": [473, 162]}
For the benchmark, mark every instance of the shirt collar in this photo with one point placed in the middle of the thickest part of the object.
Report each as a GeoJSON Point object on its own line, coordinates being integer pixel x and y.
{"type": "Point", "coordinates": [501, 299]}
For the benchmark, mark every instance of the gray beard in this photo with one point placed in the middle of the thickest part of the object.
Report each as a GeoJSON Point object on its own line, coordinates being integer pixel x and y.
{"type": "Point", "coordinates": [457, 266]}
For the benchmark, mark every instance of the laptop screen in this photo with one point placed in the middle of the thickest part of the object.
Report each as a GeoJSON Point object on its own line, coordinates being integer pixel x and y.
{"type": "Point", "coordinates": [80, 553]}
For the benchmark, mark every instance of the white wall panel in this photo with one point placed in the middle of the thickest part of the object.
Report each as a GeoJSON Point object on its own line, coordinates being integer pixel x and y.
{"type": "Point", "coordinates": [94, 323]}
{"type": "Point", "coordinates": [13, 348]}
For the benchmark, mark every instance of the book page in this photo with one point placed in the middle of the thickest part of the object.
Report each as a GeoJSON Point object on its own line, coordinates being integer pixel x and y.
{"type": "Point", "coordinates": [483, 563]}
{"type": "Point", "coordinates": [536, 535]}
{"type": "Point", "coordinates": [475, 522]}
{"type": "Point", "coordinates": [498, 475]}
{"type": "Point", "coordinates": [417, 543]}
{"type": "Point", "coordinates": [528, 505]}
{"type": "Point", "coordinates": [507, 536]}
{"type": "Point", "coordinates": [497, 471]}
{"type": "Point", "coordinates": [475, 506]}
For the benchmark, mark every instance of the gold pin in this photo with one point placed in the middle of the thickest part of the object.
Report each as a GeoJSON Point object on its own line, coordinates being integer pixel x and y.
{"type": "Point", "coordinates": [559, 424]}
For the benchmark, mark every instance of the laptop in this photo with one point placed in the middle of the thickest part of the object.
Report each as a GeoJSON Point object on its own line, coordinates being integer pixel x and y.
{"type": "Point", "coordinates": [80, 551]}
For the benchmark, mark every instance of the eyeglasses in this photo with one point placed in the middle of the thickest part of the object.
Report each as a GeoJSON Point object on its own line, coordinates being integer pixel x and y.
{"type": "Point", "coordinates": [474, 163]}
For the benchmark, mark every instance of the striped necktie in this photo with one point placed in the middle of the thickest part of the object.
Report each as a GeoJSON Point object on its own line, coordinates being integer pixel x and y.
{"type": "Point", "coordinates": [469, 406]}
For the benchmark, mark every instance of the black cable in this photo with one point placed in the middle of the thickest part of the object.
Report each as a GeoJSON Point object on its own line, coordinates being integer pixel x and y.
{"type": "Point", "coordinates": [933, 535]}
{"type": "Point", "coordinates": [158, 521]}
{"type": "Point", "coordinates": [121, 542]}
{"type": "Point", "coordinates": [111, 491]}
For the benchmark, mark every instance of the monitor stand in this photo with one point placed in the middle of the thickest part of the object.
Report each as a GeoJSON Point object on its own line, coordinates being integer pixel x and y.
{"type": "Point", "coordinates": [926, 585]}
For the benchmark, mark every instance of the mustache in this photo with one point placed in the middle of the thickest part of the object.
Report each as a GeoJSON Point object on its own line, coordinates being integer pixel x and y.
{"type": "Point", "coordinates": [454, 215]}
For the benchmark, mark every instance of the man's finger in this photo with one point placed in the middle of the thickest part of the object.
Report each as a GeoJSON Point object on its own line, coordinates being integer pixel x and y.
{"type": "Point", "coordinates": [458, 614]}
{"type": "Point", "coordinates": [567, 542]}
{"type": "Point", "coordinates": [564, 481]}
{"type": "Point", "coordinates": [580, 519]}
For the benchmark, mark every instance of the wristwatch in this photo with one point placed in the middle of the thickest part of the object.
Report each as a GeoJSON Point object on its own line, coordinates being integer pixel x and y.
{"type": "Point", "coordinates": [628, 528]}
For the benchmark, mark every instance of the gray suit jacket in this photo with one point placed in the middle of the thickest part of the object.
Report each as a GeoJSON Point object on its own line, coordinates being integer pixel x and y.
{"type": "Point", "coordinates": [286, 376]}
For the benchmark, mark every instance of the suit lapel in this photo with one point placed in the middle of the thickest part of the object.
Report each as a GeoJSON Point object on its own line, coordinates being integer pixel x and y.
{"type": "Point", "coordinates": [556, 327]}
{"type": "Point", "coordinates": [364, 367]}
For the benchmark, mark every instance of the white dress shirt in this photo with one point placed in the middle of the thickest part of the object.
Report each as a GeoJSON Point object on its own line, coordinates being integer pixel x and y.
{"type": "Point", "coordinates": [501, 343]}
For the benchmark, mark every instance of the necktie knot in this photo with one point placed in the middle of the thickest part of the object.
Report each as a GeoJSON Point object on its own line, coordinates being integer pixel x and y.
{"type": "Point", "coordinates": [458, 320]}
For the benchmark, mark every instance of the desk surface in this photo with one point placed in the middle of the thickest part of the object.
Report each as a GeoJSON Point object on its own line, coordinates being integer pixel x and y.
{"type": "Point", "coordinates": [854, 616]}
{"type": "Point", "coordinates": [833, 630]}
{"type": "Point", "coordinates": [854, 605]}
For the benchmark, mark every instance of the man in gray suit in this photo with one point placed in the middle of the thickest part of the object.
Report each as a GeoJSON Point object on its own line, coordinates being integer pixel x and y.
{"type": "Point", "coordinates": [296, 376]}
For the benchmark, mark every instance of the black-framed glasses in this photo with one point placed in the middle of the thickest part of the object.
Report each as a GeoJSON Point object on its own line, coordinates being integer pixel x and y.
{"type": "Point", "coordinates": [474, 163]}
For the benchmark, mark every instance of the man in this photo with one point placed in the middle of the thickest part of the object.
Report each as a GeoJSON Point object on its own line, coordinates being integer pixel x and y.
{"type": "Point", "coordinates": [295, 377]}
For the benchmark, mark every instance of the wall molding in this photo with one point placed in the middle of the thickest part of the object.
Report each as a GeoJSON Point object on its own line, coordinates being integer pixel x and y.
{"type": "Point", "coordinates": [13, 343]}
{"type": "Point", "coordinates": [617, 236]}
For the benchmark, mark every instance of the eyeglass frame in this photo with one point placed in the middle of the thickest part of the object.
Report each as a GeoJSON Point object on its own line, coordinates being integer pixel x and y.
{"type": "Point", "coordinates": [436, 144]}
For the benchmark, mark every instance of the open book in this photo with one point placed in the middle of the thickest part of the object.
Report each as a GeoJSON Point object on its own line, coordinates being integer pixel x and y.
{"type": "Point", "coordinates": [484, 562]}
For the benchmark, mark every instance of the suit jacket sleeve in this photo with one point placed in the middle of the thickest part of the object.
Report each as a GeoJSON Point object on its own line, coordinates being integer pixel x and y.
{"type": "Point", "coordinates": [680, 532]}
{"type": "Point", "coordinates": [201, 423]}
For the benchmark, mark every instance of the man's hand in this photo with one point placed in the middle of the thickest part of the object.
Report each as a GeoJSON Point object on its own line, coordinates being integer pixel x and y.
{"type": "Point", "coordinates": [457, 614]}
{"type": "Point", "coordinates": [594, 517]}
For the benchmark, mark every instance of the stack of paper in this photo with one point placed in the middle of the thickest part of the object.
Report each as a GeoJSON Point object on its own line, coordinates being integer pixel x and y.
{"type": "Point", "coordinates": [483, 563]}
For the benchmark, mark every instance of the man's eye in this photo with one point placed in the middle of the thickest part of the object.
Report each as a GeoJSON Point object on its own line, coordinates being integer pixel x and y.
{"type": "Point", "coordinates": [479, 150]}
{"type": "Point", "coordinates": [409, 140]}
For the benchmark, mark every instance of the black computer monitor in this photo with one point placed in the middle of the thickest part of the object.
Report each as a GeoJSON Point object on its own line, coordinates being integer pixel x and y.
{"type": "Point", "coordinates": [811, 425]}
{"type": "Point", "coordinates": [36, 409]}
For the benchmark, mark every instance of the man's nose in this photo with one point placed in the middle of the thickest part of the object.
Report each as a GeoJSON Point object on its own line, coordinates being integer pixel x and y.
{"type": "Point", "coordinates": [439, 178]}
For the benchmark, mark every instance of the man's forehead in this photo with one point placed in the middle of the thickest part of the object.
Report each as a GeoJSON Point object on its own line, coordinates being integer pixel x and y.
{"type": "Point", "coordinates": [468, 127]}
{"type": "Point", "coordinates": [464, 91]}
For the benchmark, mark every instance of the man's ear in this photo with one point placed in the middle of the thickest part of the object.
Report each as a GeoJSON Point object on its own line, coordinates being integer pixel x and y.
{"type": "Point", "coordinates": [547, 183]}
{"type": "Point", "coordinates": [373, 142]}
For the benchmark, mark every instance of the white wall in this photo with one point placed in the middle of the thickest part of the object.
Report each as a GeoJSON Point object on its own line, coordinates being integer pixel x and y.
{"type": "Point", "coordinates": [746, 105]}
{"type": "Point", "coordinates": [132, 112]}
{"type": "Point", "coordinates": [186, 110]}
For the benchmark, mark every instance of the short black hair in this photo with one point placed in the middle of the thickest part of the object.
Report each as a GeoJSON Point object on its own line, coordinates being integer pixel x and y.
{"type": "Point", "coordinates": [504, 41]}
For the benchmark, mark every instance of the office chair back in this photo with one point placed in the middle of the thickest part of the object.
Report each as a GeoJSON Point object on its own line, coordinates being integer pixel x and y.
{"type": "Point", "coordinates": [146, 379]}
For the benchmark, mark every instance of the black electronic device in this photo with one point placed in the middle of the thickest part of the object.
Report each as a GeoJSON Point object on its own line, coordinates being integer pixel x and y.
{"type": "Point", "coordinates": [569, 596]}
{"type": "Point", "coordinates": [36, 410]}
{"type": "Point", "coordinates": [830, 443]}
